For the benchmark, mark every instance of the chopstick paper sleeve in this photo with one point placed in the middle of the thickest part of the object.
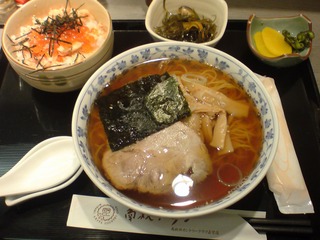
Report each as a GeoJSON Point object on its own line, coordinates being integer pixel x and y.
{"type": "Point", "coordinates": [284, 177]}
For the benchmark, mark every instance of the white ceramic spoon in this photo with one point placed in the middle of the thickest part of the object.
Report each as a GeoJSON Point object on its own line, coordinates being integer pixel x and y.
{"type": "Point", "coordinates": [15, 199]}
{"type": "Point", "coordinates": [48, 164]}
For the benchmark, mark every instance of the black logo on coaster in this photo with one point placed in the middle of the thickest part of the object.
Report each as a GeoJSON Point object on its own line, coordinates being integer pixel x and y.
{"type": "Point", "coordinates": [105, 213]}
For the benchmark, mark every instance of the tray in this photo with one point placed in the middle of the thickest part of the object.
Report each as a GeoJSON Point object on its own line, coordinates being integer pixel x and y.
{"type": "Point", "coordinates": [28, 116]}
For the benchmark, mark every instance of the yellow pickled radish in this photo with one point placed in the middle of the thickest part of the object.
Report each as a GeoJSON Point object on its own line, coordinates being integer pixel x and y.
{"type": "Point", "coordinates": [275, 42]}
{"type": "Point", "coordinates": [261, 47]}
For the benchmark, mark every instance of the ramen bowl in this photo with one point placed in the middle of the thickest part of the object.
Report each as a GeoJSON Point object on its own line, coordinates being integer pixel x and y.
{"type": "Point", "coordinates": [178, 50]}
{"type": "Point", "coordinates": [216, 10]}
{"type": "Point", "coordinates": [293, 25]}
{"type": "Point", "coordinates": [65, 78]}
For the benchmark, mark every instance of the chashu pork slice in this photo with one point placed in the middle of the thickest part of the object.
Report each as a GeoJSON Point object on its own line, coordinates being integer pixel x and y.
{"type": "Point", "coordinates": [151, 164]}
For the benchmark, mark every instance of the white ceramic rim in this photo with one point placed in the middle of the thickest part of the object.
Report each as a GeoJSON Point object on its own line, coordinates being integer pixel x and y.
{"type": "Point", "coordinates": [157, 211]}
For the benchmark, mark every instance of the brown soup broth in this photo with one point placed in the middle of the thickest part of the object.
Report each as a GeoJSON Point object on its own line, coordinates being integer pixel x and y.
{"type": "Point", "coordinates": [247, 129]}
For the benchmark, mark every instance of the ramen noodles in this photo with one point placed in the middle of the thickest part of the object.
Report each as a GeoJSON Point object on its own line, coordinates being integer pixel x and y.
{"type": "Point", "coordinates": [199, 157]}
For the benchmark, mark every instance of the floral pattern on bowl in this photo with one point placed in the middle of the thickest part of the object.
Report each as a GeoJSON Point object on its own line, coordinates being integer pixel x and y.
{"type": "Point", "coordinates": [294, 25]}
{"type": "Point", "coordinates": [241, 73]}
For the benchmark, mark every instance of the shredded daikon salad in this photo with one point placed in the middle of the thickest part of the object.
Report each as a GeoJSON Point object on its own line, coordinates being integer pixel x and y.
{"type": "Point", "coordinates": [65, 37]}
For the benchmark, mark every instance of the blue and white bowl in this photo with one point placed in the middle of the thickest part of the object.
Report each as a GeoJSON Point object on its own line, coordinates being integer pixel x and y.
{"type": "Point", "coordinates": [243, 75]}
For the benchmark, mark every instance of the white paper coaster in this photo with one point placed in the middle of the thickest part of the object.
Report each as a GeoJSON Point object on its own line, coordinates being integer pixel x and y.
{"type": "Point", "coordinates": [107, 214]}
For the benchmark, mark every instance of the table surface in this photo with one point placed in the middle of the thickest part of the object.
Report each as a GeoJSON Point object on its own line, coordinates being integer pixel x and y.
{"type": "Point", "coordinates": [32, 116]}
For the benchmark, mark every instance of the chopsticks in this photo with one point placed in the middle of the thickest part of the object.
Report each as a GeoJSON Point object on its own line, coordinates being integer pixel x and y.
{"type": "Point", "coordinates": [283, 226]}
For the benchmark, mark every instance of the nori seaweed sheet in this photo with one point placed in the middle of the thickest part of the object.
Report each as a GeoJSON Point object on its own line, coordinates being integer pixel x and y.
{"type": "Point", "coordinates": [141, 108]}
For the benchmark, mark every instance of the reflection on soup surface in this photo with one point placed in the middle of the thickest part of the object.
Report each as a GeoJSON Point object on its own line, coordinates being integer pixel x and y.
{"type": "Point", "coordinates": [182, 133]}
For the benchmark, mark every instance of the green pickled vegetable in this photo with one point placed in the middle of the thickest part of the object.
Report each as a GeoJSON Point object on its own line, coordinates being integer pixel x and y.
{"type": "Point", "coordinates": [186, 25]}
{"type": "Point", "coordinates": [301, 41]}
